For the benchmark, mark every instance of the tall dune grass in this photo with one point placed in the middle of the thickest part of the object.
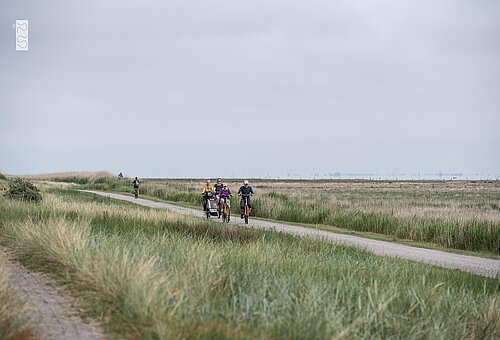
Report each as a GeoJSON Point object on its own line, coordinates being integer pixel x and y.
{"type": "Point", "coordinates": [156, 274]}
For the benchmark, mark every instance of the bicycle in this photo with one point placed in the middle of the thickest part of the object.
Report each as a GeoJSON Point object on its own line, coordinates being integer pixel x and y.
{"type": "Point", "coordinates": [219, 206]}
{"type": "Point", "coordinates": [246, 208]}
{"type": "Point", "coordinates": [226, 211]}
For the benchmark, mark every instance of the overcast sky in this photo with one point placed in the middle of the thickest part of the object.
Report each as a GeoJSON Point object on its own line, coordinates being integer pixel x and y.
{"type": "Point", "coordinates": [251, 88]}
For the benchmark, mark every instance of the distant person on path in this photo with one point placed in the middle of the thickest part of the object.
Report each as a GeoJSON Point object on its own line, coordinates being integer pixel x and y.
{"type": "Point", "coordinates": [136, 187]}
{"type": "Point", "coordinates": [207, 192]}
{"type": "Point", "coordinates": [246, 192]}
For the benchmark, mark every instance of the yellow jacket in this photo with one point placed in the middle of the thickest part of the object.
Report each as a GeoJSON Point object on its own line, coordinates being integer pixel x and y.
{"type": "Point", "coordinates": [207, 188]}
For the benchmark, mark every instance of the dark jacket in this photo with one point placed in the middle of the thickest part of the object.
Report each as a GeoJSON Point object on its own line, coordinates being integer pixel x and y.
{"type": "Point", "coordinates": [245, 190]}
{"type": "Point", "coordinates": [218, 188]}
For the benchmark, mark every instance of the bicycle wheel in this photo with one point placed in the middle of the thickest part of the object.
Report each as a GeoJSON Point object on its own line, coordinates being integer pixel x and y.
{"type": "Point", "coordinates": [245, 213]}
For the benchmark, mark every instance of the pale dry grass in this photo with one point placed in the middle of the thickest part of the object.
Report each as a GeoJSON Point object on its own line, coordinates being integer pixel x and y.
{"type": "Point", "coordinates": [451, 201]}
{"type": "Point", "coordinates": [113, 271]}
{"type": "Point", "coordinates": [150, 292]}
{"type": "Point", "coordinates": [59, 206]}
{"type": "Point", "coordinates": [405, 207]}
{"type": "Point", "coordinates": [44, 185]}
{"type": "Point", "coordinates": [90, 175]}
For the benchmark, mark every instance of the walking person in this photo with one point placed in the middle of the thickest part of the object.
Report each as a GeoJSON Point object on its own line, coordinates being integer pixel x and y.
{"type": "Point", "coordinates": [136, 187]}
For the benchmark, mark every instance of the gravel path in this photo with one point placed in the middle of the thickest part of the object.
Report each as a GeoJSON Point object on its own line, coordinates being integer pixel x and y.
{"type": "Point", "coordinates": [471, 264]}
{"type": "Point", "coordinates": [49, 306]}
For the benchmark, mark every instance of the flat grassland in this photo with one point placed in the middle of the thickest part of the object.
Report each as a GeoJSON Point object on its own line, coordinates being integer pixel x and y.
{"type": "Point", "coordinates": [463, 215]}
{"type": "Point", "coordinates": [156, 274]}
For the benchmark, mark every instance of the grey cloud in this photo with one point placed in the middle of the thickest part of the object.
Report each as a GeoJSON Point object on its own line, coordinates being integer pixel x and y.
{"type": "Point", "coordinates": [325, 85]}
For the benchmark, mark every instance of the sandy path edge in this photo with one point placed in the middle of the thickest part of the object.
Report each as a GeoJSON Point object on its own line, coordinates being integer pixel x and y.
{"type": "Point", "coordinates": [472, 264]}
{"type": "Point", "coordinates": [48, 304]}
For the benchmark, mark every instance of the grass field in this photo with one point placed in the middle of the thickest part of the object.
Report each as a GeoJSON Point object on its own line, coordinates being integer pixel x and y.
{"type": "Point", "coordinates": [156, 274]}
{"type": "Point", "coordinates": [455, 214]}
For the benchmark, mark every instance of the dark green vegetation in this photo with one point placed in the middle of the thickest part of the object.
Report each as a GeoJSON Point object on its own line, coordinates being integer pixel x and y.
{"type": "Point", "coordinates": [155, 274]}
{"type": "Point", "coordinates": [23, 190]}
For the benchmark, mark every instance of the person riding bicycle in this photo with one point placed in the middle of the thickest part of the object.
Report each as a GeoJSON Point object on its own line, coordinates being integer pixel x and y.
{"type": "Point", "coordinates": [245, 192]}
{"type": "Point", "coordinates": [225, 195]}
{"type": "Point", "coordinates": [136, 187]}
{"type": "Point", "coordinates": [217, 188]}
{"type": "Point", "coordinates": [207, 193]}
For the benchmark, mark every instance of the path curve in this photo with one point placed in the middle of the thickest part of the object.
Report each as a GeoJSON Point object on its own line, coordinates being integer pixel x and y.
{"type": "Point", "coordinates": [49, 306]}
{"type": "Point", "coordinates": [472, 264]}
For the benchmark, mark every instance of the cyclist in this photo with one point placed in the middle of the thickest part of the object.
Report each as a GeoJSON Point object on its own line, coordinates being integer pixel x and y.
{"type": "Point", "coordinates": [208, 192]}
{"type": "Point", "coordinates": [217, 188]}
{"type": "Point", "coordinates": [245, 192]}
{"type": "Point", "coordinates": [136, 187]}
{"type": "Point", "coordinates": [225, 195]}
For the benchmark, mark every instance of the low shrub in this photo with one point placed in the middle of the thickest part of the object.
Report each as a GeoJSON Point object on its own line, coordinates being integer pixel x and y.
{"type": "Point", "coordinates": [23, 190]}
{"type": "Point", "coordinates": [2, 176]}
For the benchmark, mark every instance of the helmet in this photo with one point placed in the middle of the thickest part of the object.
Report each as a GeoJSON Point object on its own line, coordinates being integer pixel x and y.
{"type": "Point", "coordinates": [219, 180]}
{"type": "Point", "coordinates": [208, 181]}
{"type": "Point", "coordinates": [225, 185]}
{"type": "Point", "coordinates": [246, 182]}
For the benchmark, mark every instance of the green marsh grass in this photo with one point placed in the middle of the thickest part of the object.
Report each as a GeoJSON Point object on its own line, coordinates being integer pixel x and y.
{"type": "Point", "coordinates": [459, 215]}
{"type": "Point", "coordinates": [156, 274]}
